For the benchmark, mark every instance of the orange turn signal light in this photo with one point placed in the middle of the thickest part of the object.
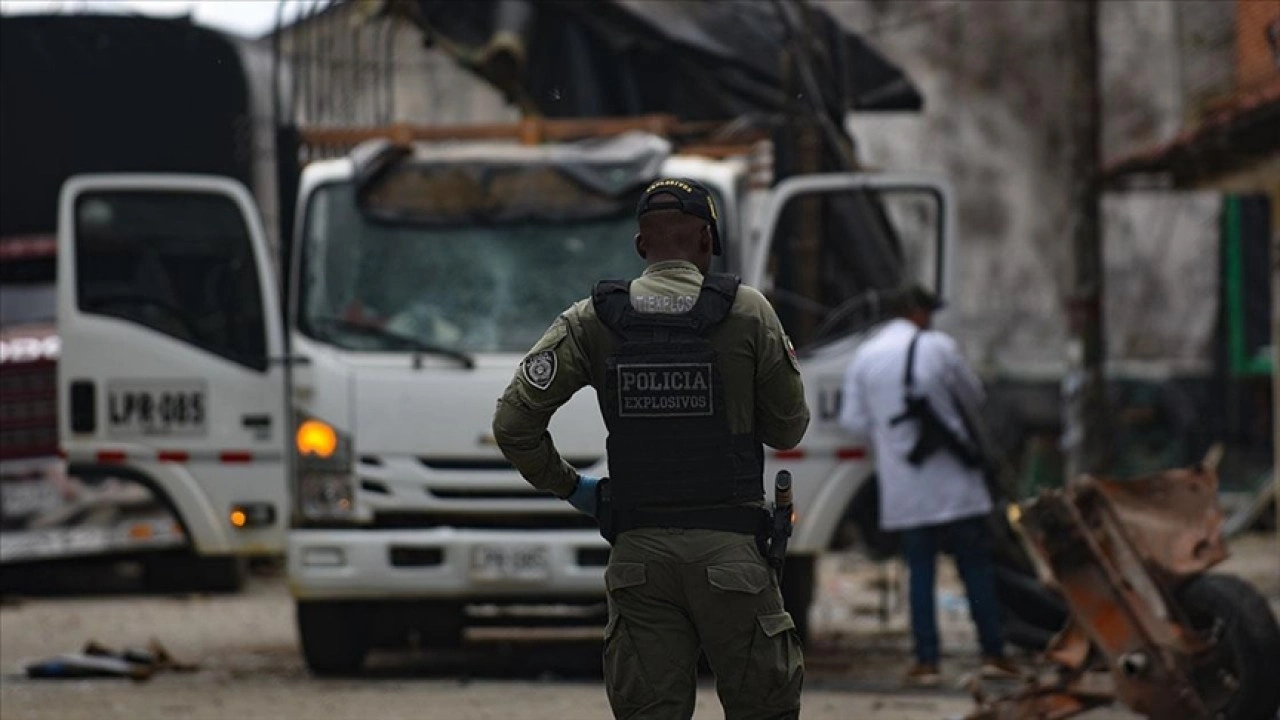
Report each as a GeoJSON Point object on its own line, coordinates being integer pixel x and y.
{"type": "Point", "coordinates": [246, 516]}
{"type": "Point", "coordinates": [317, 438]}
{"type": "Point", "coordinates": [141, 531]}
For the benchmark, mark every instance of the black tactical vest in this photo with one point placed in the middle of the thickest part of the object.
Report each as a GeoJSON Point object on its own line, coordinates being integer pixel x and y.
{"type": "Point", "coordinates": [663, 401]}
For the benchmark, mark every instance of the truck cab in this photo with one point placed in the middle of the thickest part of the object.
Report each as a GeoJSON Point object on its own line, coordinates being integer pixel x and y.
{"type": "Point", "coordinates": [419, 275]}
{"type": "Point", "coordinates": [170, 374]}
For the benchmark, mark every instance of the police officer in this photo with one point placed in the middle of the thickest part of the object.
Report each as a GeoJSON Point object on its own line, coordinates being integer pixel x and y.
{"type": "Point", "coordinates": [694, 375]}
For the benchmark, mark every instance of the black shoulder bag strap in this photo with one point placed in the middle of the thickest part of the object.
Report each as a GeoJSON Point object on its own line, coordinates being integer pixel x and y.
{"type": "Point", "coordinates": [963, 448]}
{"type": "Point", "coordinates": [908, 381]}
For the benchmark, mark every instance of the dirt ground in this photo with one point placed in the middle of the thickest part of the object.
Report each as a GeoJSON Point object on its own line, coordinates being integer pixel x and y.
{"type": "Point", "coordinates": [251, 668]}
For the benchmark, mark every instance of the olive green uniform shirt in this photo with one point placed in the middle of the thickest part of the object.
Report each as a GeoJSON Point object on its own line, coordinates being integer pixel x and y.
{"type": "Point", "coordinates": [764, 393]}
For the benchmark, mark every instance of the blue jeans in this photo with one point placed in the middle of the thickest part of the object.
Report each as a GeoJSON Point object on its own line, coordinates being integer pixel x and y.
{"type": "Point", "coordinates": [968, 541]}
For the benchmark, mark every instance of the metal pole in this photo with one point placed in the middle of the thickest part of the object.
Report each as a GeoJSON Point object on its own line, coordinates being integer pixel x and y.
{"type": "Point", "coordinates": [1275, 367]}
{"type": "Point", "coordinates": [803, 251]}
{"type": "Point", "coordinates": [1086, 437]}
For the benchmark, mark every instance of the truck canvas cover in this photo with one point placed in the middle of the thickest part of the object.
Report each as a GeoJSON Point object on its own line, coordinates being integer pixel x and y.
{"type": "Point", "coordinates": [500, 183]}
{"type": "Point", "coordinates": [107, 93]}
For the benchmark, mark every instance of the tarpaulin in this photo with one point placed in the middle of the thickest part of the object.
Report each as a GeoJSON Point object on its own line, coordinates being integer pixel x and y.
{"type": "Point", "coordinates": [107, 93]}
{"type": "Point", "coordinates": [695, 60]}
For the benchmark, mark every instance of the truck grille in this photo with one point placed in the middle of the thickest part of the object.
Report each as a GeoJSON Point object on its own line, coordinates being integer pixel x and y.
{"type": "Point", "coordinates": [28, 410]}
{"type": "Point", "coordinates": [482, 521]}
{"type": "Point", "coordinates": [488, 494]}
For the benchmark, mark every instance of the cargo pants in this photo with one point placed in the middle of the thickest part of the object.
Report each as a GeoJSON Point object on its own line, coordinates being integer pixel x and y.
{"type": "Point", "coordinates": [673, 592]}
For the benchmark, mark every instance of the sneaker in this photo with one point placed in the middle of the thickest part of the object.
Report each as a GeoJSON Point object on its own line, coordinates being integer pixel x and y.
{"type": "Point", "coordinates": [923, 675]}
{"type": "Point", "coordinates": [999, 668]}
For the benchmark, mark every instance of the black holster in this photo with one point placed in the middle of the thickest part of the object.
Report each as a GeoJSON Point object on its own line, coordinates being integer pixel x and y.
{"type": "Point", "coordinates": [778, 533]}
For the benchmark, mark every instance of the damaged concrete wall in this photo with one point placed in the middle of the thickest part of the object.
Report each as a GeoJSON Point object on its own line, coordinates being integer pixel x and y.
{"type": "Point", "coordinates": [1161, 255]}
{"type": "Point", "coordinates": [993, 75]}
{"type": "Point", "coordinates": [350, 69]}
{"type": "Point", "coordinates": [1143, 98]}
{"type": "Point", "coordinates": [993, 125]}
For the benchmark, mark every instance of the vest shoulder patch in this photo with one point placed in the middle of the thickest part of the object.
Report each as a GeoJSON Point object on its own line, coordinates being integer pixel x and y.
{"type": "Point", "coordinates": [539, 369]}
{"type": "Point", "coordinates": [791, 353]}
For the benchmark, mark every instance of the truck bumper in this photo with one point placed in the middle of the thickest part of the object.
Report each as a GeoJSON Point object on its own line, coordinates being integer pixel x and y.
{"type": "Point", "coordinates": [440, 564]}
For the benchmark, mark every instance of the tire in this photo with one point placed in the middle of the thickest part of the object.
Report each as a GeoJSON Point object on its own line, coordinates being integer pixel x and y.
{"type": "Point", "coordinates": [1032, 613]}
{"type": "Point", "coordinates": [797, 591]}
{"type": "Point", "coordinates": [188, 572]}
{"type": "Point", "coordinates": [1021, 634]}
{"type": "Point", "coordinates": [1237, 619]}
{"type": "Point", "coordinates": [441, 625]}
{"type": "Point", "coordinates": [335, 636]}
{"type": "Point", "coordinates": [437, 625]}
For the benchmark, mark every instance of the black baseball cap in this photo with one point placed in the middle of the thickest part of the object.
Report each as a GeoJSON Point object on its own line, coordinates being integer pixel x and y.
{"type": "Point", "coordinates": [689, 197]}
{"type": "Point", "coordinates": [921, 298]}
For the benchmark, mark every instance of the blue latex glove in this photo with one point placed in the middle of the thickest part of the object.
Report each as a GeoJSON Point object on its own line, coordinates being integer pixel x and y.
{"type": "Point", "coordinates": [583, 496]}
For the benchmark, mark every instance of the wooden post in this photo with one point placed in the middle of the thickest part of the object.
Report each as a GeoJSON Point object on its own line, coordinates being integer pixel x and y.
{"type": "Point", "coordinates": [1275, 367]}
{"type": "Point", "coordinates": [801, 264]}
{"type": "Point", "coordinates": [1086, 436]}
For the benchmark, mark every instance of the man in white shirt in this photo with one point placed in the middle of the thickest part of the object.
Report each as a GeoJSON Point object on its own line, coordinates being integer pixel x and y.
{"type": "Point", "coordinates": [932, 489]}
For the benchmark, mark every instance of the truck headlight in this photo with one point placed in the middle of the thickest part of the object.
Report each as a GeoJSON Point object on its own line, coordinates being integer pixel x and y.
{"type": "Point", "coordinates": [325, 495]}
{"type": "Point", "coordinates": [323, 466]}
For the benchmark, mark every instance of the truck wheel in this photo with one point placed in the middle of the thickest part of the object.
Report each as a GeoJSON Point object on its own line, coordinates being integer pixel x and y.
{"type": "Point", "coordinates": [188, 572]}
{"type": "Point", "coordinates": [1236, 677]}
{"type": "Point", "coordinates": [441, 625]}
{"type": "Point", "coordinates": [335, 636]}
{"type": "Point", "coordinates": [797, 591]}
{"type": "Point", "coordinates": [1033, 614]}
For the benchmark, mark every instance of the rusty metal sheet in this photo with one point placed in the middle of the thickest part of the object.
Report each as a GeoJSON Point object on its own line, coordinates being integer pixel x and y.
{"type": "Point", "coordinates": [1115, 549]}
{"type": "Point", "coordinates": [1070, 649]}
{"type": "Point", "coordinates": [1173, 518]}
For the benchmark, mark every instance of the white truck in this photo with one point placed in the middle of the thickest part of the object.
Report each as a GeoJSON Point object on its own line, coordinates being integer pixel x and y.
{"type": "Point", "coordinates": [122, 110]}
{"type": "Point", "coordinates": [356, 411]}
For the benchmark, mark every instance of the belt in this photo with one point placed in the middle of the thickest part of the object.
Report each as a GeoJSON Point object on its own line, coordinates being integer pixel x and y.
{"type": "Point", "coordinates": [743, 519]}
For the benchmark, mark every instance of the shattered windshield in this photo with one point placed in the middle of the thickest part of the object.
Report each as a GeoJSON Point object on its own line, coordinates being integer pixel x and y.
{"type": "Point", "coordinates": [469, 288]}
